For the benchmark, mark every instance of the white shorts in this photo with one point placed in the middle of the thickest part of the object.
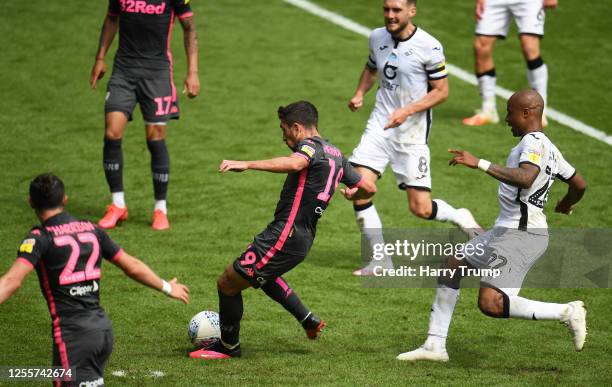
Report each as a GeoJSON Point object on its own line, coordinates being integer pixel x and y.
{"type": "Point", "coordinates": [511, 251]}
{"type": "Point", "coordinates": [409, 163]}
{"type": "Point", "coordinates": [528, 14]}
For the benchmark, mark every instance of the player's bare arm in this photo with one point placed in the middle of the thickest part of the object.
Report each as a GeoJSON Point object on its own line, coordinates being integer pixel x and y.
{"type": "Point", "coordinates": [480, 5]}
{"type": "Point", "coordinates": [366, 81]}
{"type": "Point", "coordinates": [190, 39]}
{"type": "Point", "coordinates": [12, 280]}
{"type": "Point", "coordinates": [365, 190]}
{"type": "Point", "coordinates": [140, 272]}
{"type": "Point", "coordinates": [575, 191]}
{"type": "Point", "coordinates": [285, 164]}
{"type": "Point", "coordinates": [437, 95]}
{"type": "Point", "coordinates": [109, 30]}
{"type": "Point", "coordinates": [522, 177]}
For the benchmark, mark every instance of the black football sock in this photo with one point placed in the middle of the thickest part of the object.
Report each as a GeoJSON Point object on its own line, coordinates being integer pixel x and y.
{"type": "Point", "coordinates": [112, 161]}
{"type": "Point", "coordinates": [160, 167]}
{"type": "Point", "coordinates": [230, 314]}
{"type": "Point", "coordinates": [279, 291]}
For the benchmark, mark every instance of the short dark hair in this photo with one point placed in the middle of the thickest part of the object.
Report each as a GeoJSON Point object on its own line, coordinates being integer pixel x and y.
{"type": "Point", "coordinates": [301, 112]}
{"type": "Point", "coordinates": [46, 192]}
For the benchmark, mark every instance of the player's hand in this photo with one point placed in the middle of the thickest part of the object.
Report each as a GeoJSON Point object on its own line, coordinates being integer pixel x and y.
{"type": "Point", "coordinates": [233, 165]}
{"type": "Point", "coordinates": [551, 4]}
{"type": "Point", "coordinates": [348, 193]}
{"type": "Point", "coordinates": [179, 291]}
{"type": "Point", "coordinates": [192, 85]}
{"type": "Point", "coordinates": [463, 157]}
{"type": "Point", "coordinates": [480, 5]}
{"type": "Point", "coordinates": [563, 208]}
{"type": "Point", "coordinates": [97, 72]}
{"type": "Point", "coordinates": [356, 102]}
{"type": "Point", "coordinates": [398, 117]}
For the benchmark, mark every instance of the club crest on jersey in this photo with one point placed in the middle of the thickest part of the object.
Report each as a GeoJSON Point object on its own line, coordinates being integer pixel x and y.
{"type": "Point", "coordinates": [27, 246]}
{"type": "Point", "coordinates": [310, 151]}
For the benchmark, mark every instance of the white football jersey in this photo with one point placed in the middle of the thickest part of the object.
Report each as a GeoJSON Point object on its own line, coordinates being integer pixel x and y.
{"type": "Point", "coordinates": [524, 208]}
{"type": "Point", "coordinates": [404, 69]}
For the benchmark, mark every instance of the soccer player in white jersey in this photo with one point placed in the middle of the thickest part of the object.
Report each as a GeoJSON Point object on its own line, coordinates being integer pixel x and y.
{"type": "Point", "coordinates": [493, 19]}
{"type": "Point", "coordinates": [519, 236]}
{"type": "Point", "coordinates": [410, 66]}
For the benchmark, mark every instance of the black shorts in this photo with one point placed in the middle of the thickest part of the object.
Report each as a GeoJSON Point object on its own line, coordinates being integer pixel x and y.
{"type": "Point", "coordinates": [260, 264]}
{"type": "Point", "coordinates": [156, 96]}
{"type": "Point", "coordinates": [86, 354]}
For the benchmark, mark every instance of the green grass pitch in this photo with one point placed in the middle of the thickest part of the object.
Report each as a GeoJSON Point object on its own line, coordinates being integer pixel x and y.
{"type": "Point", "coordinates": [255, 56]}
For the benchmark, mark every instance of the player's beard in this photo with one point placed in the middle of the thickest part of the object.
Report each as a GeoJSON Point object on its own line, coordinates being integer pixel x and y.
{"type": "Point", "coordinates": [401, 27]}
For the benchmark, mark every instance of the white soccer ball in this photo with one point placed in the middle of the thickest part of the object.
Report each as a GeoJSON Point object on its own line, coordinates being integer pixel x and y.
{"type": "Point", "coordinates": [204, 329]}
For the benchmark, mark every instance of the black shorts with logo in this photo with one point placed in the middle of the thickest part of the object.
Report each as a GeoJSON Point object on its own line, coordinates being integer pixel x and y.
{"type": "Point", "coordinates": [261, 263]}
{"type": "Point", "coordinates": [87, 354]}
{"type": "Point", "coordinates": [153, 91]}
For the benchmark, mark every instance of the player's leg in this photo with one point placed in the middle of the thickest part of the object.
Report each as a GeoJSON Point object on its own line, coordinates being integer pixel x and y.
{"type": "Point", "coordinates": [229, 288]}
{"type": "Point", "coordinates": [411, 166]}
{"type": "Point", "coordinates": [493, 24]}
{"type": "Point", "coordinates": [157, 98]}
{"type": "Point", "coordinates": [530, 17]}
{"type": "Point", "coordinates": [513, 253]}
{"type": "Point", "coordinates": [370, 158]}
{"type": "Point", "coordinates": [500, 303]}
{"type": "Point", "coordinates": [160, 171]}
{"type": "Point", "coordinates": [370, 225]}
{"type": "Point", "coordinates": [442, 308]}
{"type": "Point", "coordinates": [280, 291]}
{"type": "Point", "coordinates": [120, 102]}
{"type": "Point", "coordinates": [537, 70]}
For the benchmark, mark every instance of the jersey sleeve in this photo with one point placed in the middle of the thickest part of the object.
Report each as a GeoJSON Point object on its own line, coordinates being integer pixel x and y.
{"type": "Point", "coordinates": [33, 247]}
{"type": "Point", "coordinates": [108, 248]}
{"type": "Point", "coordinates": [351, 178]}
{"type": "Point", "coordinates": [114, 8]}
{"type": "Point", "coordinates": [371, 63]}
{"type": "Point", "coordinates": [182, 8]}
{"type": "Point", "coordinates": [532, 150]}
{"type": "Point", "coordinates": [305, 149]}
{"type": "Point", "coordinates": [566, 170]}
{"type": "Point", "coordinates": [435, 66]}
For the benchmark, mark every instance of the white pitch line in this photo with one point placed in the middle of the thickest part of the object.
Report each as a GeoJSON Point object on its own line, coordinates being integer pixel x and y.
{"type": "Point", "coordinates": [465, 76]}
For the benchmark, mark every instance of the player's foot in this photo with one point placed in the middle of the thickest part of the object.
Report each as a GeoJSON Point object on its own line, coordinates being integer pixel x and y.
{"type": "Point", "coordinates": [467, 223]}
{"type": "Point", "coordinates": [313, 325]}
{"type": "Point", "coordinates": [482, 117]}
{"type": "Point", "coordinates": [216, 351]}
{"type": "Point", "coordinates": [160, 221]}
{"type": "Point", "coordinates": [112, 216]}
{"type": "Point", "coordinates": [423, 353]}
{"type": "Point", "coordinates": [369, 269]}
{"type": "Point", "coordinates": [575, 320]}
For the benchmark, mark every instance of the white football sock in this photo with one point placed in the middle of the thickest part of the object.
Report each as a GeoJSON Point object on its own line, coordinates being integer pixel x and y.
{"type": "Point", "coordinates": [440, 317]}
{"type": "Point", "coordinates": [118, 199]}
{"type": "Point", "coordinates": [538, 80]}
{"type": "Point", "coordinates": [535, 310]}
{"type": "Point", "coordinates": [371, 228]}
{"type": "Point", "coordinates": [486, 84]}
{"type": "Point", "coordinates": [161, 205]}
{"type": "Point", "coordinates": [446, 212]}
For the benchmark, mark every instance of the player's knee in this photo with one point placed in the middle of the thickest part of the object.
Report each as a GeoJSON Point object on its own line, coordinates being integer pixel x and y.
{"type": "Point", "coordinates": [113, 133]}
{"type": "Point", "coordinates": [491, 303]}
{"type": "Point", "coordinates": [156, 132]}
{"type": "Point", "coordinates": [420, 210]}
{"type": "Point", "coordinates": [224, 284]}
{"type": "Point", "coordinates": [482, 47]}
